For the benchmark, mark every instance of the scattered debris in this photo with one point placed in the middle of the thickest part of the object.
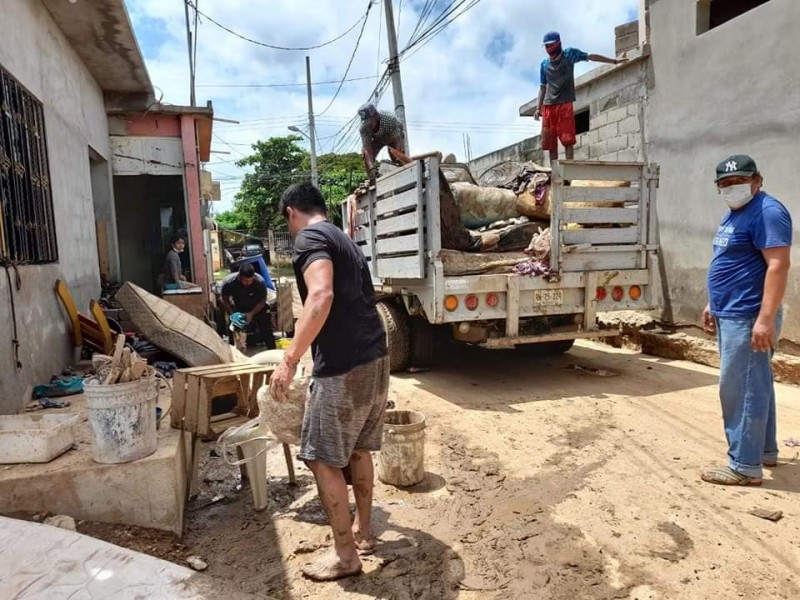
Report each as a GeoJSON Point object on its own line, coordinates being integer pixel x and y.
{"type": "Point", "coordinates": [45, 403]}
{"type": "Point", "coordinates": [598, 372]}
{"type": "Point", "coordinates": [417, 370]}
{"type": "Point", "coordinates": [792, 443]}
{"type": "Point", "coordinates": [59, 386]}
{"type": "Point", "coordinates": [197, 563]}
{"type": "Point", "coordinates": [769, 515]}
{"type": "Point", "coordinates": [125, 366]}
{"type": "Point", "coordinates": [62, 522]}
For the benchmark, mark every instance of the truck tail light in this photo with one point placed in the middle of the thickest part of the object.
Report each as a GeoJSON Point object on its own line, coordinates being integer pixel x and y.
{"type": "Point", "coordinates": [471, 302]}
{"type": "Point", "coordinates": [618, 293]}
{"type": "Point", "coordinates": [600, 294]}
{"type": "Point", "coordinates": [492, 300]}
{"type": "Point", "coordinates": [450, 303]}
{"type": "Point", "coordinates": [635, 292]}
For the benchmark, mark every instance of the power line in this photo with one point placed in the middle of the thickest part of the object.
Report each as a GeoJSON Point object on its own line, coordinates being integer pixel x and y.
{"type": "Point", "coordinates": [272, 46]}
{"type": "Point", "coordinates": [438, 26]}
{"type": "Point", "coordinates": [279, 85]}
{"type": "Point", "coordinates": [352, 57]}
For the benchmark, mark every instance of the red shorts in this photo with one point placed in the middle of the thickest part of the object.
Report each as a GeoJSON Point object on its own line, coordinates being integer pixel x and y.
{"type": "Point", "coordinates": [558, 124]}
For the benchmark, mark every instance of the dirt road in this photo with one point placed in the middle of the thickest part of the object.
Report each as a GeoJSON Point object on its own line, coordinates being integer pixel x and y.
{"type": "Point", "coordinates": [545, 481]}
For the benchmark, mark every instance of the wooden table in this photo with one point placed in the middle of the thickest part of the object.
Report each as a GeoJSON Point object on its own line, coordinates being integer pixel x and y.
{"type": "Point", "coordinates": [193, 393]}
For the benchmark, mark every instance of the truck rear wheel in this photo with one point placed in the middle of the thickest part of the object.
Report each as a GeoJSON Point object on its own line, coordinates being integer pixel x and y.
{"type": "Point", "coordinates": [547, 348]}
{"type": "Point", "coordinates": [423, 342]}
{"type": "Point", "coordinates": [395, 323]}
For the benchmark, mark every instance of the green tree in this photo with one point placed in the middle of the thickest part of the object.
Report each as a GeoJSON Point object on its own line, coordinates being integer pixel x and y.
{"type": "Point", "coordinates": [277, 163]}
{"type": "Point", "coordinates": [232, 219]}
{"type": "Point", "coordinates": [339, 175]}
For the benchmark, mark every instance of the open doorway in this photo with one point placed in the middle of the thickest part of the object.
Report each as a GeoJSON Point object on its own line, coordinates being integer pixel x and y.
{"type": "Point", "coordinates": [104, 217]}
{"type": "Point", "coordinates": [151, 211]}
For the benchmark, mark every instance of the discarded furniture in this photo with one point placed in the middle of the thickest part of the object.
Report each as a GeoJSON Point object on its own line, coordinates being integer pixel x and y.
{"type": "Point", "coordinates": [174, 330]}
{"type": "Point", "coordinates": [94, 333]}
{"type": "Point", "coordinates": [193, 393]}
{"type": "Point", "coordinates": [192, 301]}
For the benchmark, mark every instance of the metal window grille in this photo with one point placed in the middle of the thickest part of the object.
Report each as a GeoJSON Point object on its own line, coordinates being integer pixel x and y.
{"type": "Point", "coordinates": [27, 223]}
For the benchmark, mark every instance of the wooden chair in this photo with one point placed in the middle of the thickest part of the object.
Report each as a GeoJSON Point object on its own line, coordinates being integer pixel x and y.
{"type": "Point", "coordinates": [94, 333]}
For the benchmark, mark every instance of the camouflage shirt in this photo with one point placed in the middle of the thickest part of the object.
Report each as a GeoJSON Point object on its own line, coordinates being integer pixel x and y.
{"type": "Point", "coordinates": [389, 129]}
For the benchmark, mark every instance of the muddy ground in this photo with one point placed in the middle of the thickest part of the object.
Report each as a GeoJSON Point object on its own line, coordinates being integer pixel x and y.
{"type": "Point", "coordinates": [569, 477]}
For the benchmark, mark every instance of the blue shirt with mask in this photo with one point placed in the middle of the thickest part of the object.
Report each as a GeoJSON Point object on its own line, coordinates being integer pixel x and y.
{"type": "Point", "coordinates": [558, 76]}
{"type": "Point", "coordinates": [738, 269]}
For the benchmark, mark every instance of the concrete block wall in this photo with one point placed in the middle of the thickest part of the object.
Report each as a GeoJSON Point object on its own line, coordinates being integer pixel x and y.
{"type": "Point", "coordinates": [615, 135]}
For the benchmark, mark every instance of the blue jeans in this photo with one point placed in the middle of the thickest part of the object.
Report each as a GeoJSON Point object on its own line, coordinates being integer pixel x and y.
{"type": "Point", "coordinates": [747, 394]}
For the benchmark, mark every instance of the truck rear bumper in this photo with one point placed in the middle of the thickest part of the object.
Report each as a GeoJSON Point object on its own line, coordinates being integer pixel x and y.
{"type": "Point", "coordinates": [510, 342]}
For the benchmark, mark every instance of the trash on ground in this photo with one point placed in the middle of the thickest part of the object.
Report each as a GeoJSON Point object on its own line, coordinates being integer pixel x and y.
{"type": "Point", "coordinates": [61, 521]}
{"type": "Point", "coordinates": [769, 515]}
{"type": "Point", "coordinates": [792, 443]}
{"type": "Point", "coordinates": [58, 387]}
{"type": "Point", "coordinates": [598, 372]}
{"type": "Point", "coordinates": [197, 563]}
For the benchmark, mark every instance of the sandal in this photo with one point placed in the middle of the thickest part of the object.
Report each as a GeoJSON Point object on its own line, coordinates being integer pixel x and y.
{"type": "Point", "coordinates": [727, 476]}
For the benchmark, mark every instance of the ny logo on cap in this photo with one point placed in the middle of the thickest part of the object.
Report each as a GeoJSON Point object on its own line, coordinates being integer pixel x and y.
{"type": "Point", "coordinates": [730, 166]}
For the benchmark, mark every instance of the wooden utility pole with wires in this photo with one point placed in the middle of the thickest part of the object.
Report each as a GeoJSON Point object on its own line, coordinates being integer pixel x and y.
{"type": "Point", "coordinates": [394, 68]}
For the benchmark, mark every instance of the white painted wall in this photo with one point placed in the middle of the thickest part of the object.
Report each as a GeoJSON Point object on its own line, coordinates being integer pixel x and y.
{"type": "Point", "coordinates": [34, 50]}
{"type": "Point", "coordinates": [734, 89]}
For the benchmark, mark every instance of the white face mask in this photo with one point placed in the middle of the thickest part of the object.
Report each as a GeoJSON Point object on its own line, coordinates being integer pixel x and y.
{"type": "Point", "coordinates": [736, 196]}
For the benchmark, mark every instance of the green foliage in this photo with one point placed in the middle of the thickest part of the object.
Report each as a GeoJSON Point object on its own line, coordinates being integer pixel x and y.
{"type": "Point", "coordinates": [276, 164]}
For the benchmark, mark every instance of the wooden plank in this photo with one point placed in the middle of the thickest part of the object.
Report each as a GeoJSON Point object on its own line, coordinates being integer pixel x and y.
{"type": "Point", "coordinates": [408, 222]}
{"type": "Point", "coordinates": [362, 235]}
{"type": "Point", "coordinates": [362, 218]}
{"type": "Point", "coordinates": [399, 180]}
{"type": "Point", "coordinates": [615, 235]}
{"type": "Point", "coordinates": [401, 201]}
{"type": "Point", "coordinates": [205, 398]}
{"type": "Point", "coordinates": [600, 261]}
{"type": "Point", "coordinates": [407, 267]}
{"type": "Point", "coordinates": [178, 399]}
{"type": "Point", "coordinates": [600, 171]}
{"type": "Point", "coordinates": [600, 215]}
{"type": "Point", "coordinates": [192, 401]}
{"type": "Point", "coordinates": [396, 245]}
{"type": "Point", "coordinates": [102, 249]}
{"type": "Point", "coordinates": [226, 369]}
{"type": "Point", "coordinates": [601, 194]}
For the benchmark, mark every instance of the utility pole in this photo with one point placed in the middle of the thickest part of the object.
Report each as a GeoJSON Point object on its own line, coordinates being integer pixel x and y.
{"type": "Point", "coordinates": [189, 38]}
{"type": "Point", "coordinates": [394, 67]}
{"type": "Point", "coordinates": [311, 132]}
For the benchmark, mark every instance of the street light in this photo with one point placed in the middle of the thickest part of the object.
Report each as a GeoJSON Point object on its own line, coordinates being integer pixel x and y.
{"type": "Point", "coordinates": [314, 174]}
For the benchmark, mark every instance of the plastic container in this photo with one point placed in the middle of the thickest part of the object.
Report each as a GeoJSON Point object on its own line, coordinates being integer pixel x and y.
{"type": "Point", "coordinates": [401, 461]}
{"type": "Point", "coordinates": [260, 266]}
{"type": "Point", "coordinates": [35, 438]}
{"type": "Point", "coordinates": [250, 440]}
{"type": "Point", "coordinates": [123, 420]}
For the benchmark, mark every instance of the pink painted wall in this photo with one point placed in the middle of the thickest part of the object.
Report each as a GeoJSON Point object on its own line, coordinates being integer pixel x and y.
{"type": "Point", "coordinates": [150, 125]}
{"type": "Point", "coordinates": [192, 177]}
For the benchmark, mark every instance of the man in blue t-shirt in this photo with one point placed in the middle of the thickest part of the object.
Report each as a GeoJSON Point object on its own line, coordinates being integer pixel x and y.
{"type": "Point", "coordinates": [557, 94]}
{"type": "Point", "coordinates": [746, 284]}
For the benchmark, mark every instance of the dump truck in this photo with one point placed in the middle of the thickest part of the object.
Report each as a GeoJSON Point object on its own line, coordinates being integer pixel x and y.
{"type": "Point", "coordinates": [603, 258]}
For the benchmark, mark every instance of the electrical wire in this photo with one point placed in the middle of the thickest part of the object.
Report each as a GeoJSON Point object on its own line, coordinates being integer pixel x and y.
{"type": "Point", "coordinates": [437, 27]}
{"type": "Point", "coordinates": [272, 46]}
{"type": "Point", "coordinates": [279, 85]}
{"type": "Point", "coordinates": [350, 63]}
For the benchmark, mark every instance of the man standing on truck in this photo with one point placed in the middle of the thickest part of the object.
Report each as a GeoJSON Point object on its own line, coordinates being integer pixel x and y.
{"type": "Point", "coordinates": [380, 129]}
{"type": "Point", "coordinates": [345, 407]}
{"type": "Point", "coordinates": [557, 94]}
{"type": "Point", "coordinates": [746, 284]}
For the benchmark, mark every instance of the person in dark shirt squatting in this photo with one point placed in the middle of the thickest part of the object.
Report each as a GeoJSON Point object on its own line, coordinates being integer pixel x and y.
{"type": "Point", "coordinates": [246, 292]}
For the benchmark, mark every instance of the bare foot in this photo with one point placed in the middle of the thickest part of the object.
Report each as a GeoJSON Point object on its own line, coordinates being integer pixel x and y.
{"type": "Point", "coordinates": [330, 568]}
{"type": "Point", "coordinates": [365, 544]}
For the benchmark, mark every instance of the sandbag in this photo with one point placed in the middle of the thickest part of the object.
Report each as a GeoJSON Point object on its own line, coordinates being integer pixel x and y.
{"type": "Point", "coordinates": [284, 419]}
{"type": "Point", "coordinates": [480, 206]}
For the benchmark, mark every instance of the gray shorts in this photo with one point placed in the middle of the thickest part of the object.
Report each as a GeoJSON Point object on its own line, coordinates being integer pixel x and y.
{"type": "Point", "coordinates": [345, 413]}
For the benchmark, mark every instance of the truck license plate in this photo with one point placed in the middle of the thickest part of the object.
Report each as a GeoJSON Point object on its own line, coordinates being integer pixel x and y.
{"type": "Point", "coordinates": [548, 297]}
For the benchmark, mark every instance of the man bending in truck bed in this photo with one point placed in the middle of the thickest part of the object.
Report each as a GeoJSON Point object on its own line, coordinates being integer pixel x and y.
{"type": "Point", "coordinates": [380, 129]}
{"type": "Point", "coordinates": [557, 94]}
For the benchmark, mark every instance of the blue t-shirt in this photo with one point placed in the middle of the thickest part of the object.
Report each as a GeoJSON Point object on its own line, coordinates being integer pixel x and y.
{"type": "Point", "coordinates": [559, 76]}
{"type": "Point", "coordinates": [738, 269]}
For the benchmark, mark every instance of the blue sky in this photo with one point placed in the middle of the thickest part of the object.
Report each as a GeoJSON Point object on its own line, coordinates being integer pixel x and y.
{"type": "Point", "coordinates": [470, 79]}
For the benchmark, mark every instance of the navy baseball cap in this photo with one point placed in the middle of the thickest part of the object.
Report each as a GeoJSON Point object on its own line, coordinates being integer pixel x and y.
{"type": "Point", "coordinates": [738, 165]}
{"type": "Point", "coordinates": [553, 37]}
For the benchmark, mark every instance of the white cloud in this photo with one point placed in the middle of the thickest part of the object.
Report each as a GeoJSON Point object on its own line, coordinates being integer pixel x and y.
{"type": "Point", "coordinates": [452, 80]}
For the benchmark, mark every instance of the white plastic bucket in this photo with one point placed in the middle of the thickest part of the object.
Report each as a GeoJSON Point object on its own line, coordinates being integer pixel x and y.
{"type": "Point", "coordinates": [123, 420]}
{"type": "Point", "coordinates": [401, 461]}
